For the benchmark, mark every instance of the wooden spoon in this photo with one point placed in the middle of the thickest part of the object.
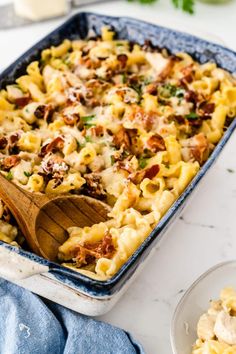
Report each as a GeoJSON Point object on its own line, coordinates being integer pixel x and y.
{"type": "Point", "coordinates": [44, 220]}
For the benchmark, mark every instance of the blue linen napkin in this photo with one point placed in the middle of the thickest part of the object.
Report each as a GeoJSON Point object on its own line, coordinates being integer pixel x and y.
{"type": "Point", "coordinates": [31, 325]}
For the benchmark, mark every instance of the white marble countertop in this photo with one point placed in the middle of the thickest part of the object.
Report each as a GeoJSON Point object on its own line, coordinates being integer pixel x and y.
{"type": "Point", "coordinates": [205, 233]}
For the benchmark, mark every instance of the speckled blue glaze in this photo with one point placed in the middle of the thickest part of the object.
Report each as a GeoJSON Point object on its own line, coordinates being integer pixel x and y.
{"type": "Point", "coordinates": [136, 31]}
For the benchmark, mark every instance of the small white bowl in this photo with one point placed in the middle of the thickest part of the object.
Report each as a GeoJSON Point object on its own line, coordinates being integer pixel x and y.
{"type": "Point", "coordinates": [196, 301]}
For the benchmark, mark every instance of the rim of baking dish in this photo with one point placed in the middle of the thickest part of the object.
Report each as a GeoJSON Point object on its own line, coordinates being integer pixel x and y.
{"type": "Point", "coordinates": [68, 276]}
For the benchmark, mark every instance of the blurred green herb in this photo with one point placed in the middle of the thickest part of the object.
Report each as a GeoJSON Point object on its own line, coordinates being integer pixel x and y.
{"type": "Point", "coordinates": [27, 174]}
{"type": "Point", "coordinates": [185, 5]}
{"type": "Point", "coordinates": [112, 160]}
{"type": "Point", "coordinates": [192, 115]}
{"type": "Point", "coordinates": [168, 90]}
{"type": "Point", "coordinates": [9, 176]}
{"type": "Point", "coordinates": [142, 162]}
{"type": "Point", "coordinates": [88, 120]}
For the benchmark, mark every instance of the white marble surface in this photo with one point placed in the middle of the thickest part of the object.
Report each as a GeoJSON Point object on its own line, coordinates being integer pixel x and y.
{"type": "Point", "coordinates": [205, 233]}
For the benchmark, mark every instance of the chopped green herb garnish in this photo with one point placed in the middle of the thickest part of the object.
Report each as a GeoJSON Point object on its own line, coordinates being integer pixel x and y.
{"type": "Point", "coordinates": [124, 78]}
{"type": "Point", "coordinates": [147, 81]}
{"type": "Point", "coordinates": [192, 115]}
{"type": "Point", "coordinates": [138, 89]}
{"type": "Point", "coordinates": [9, 176]}
{"type": "Point", "coordinates": [27, 174]}
{"type": "Point", "coordinates": [180, 92]}
{"type": "Point", "coordinates": [88, 139]}
{"type": "Point", "coordinates": [142, 162]}
{"type": "Point", "coordinates": [230, 170]}
{"type": "Point", "coordinates": [118, 44]}
{"type": "Point", "coordinates": [112, 160]}
{"type": "Point", "coordinates": [88, 120]}
{"type": "Point", "coordinates": [168, 90]}
{"type": "Point", "coordinates": [185, 5]}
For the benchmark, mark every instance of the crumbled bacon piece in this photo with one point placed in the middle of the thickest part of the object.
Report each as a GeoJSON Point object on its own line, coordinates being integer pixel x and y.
{"type": "Point", "coordinates": [93, 186]}
{"type": "Point", "coordinates": [12, 143]}
{"type": "Point", "coordinates": [150, 172]}
{"type": "Point", "coordinates": [199, 147]}
{"type": "Point", "coordinates": [89, 252]}
{"type": "Point", "coordinates": [151, 88]}
{"type": "Point", "coordinates": [122, 58]}
{"type": "Point", "coordinates": [75, 95]}
{"type": "Point", "coordinates": [156, 143]}
{"type": "Point", "coordinates": [14, 138]}
{"type": "Point", "coordinates": [71, 119]}
{"type": "Point", "coordinates": [192, 97]}
{"type": "Point", "coordinates": [55, 145]}
{"type": "Point", "coordinates": [205, 109]}
{"type": "Point", "coordinates": [44, 111]}
{"type": "Point", "coordinates": [22, 101]}
{"type": "Point", "coordinates": [124, 165]}
{"type": "Point", "coordinates": [121, 138]}
{"type": "Point", "coordinates": [146, 118]}
{"type": "Point", "coordinates": [188, 75]}
{"type": "Point", "coordinates": [98, 130]}
{"type": "Point", "coordinates": [10, 161]}
{"type": "Point", "coordinates": [3, 142]}
{"type": "Point", "coordinates": [54, 166]}
{"type": "Point", "coordinates": [168, 68]}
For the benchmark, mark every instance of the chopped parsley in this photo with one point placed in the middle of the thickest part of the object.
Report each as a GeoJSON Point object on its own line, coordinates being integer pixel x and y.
{"type": "Point", "coordinates": [112, 160]}
{"type": "Point", "coordinates": [88, 120]}
{"type": "Point", "coordinates": [9, 176]}
{"type": "Point", "coordinates": [88, 139]}
{"type": "Point", "coordinates": [168, 91]}
{"type": "Point", "coordinates": [179, 92]}
{"type": "Point", "coordinates": [185, 5]}
{"type": "Point", "coordinates": [137, 88]}
{"type": "Point", "coordinates": [142, 162]}
{"type": "Point", "coordinates": [124, 78]}
{"type": "Point", "coordinates": [192, 115]}
{"type": "Point", "coordinates": [27, 174]}
{"type": "Point", "coordinates": [147, 81]}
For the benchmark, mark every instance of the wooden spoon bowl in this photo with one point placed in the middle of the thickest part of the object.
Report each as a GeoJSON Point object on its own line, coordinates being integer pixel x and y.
{"type": "Point", "coordinates": [44, 220]}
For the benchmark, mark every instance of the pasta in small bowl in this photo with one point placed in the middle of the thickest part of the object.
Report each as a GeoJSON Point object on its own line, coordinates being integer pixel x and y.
{"type": "Point", "coordinates": [204, 321]}
{"type": "Point", "coordinates": [120, 110]}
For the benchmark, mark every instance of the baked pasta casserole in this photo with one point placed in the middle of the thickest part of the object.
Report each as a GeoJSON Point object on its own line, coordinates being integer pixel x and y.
{"type": "Point", "coordinates": [125, 123]}
{"type": "Point", "coordinates": [216, 328]}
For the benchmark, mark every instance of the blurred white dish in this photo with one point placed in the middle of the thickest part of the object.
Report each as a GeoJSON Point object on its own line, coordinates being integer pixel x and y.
{"type": "Point", "coordinates": [196, 301]}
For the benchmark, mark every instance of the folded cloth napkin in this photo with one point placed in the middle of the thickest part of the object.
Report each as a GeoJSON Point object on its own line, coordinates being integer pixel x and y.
{"type": "Point", "coordinates": [32, 325]}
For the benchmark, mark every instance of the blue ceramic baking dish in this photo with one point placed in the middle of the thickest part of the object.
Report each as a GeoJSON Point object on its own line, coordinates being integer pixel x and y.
{"type": "Point", "coordinates": [64, 285]}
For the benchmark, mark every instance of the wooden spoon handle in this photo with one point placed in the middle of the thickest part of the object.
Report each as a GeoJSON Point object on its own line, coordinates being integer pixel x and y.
{"type": "Point", "coordinates": [23, 208]}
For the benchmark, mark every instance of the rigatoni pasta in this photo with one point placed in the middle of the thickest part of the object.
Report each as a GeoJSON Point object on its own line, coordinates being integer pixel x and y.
{"type": "Point", "coordinates": [125, 123]}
